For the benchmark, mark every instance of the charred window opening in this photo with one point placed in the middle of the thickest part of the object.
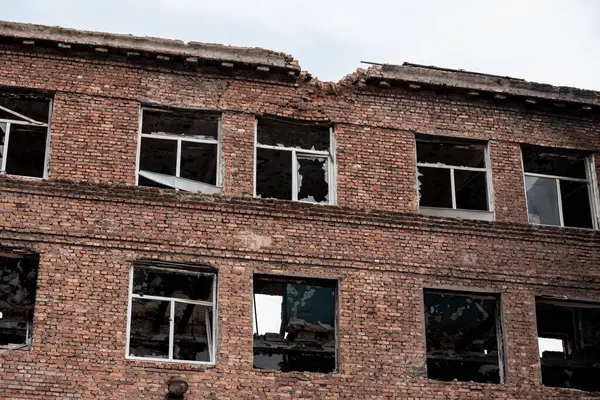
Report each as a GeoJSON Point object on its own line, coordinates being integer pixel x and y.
{"type": "Point", "coordinates": [180, 150]}
{"type": "Point", "coordinates": [558, 187]}
{"type": "Point", "coordinates": [294, 161]}
{"type": "Point", "coordinates": [294, 324]}
{"type": "Point", "coordinates": [18, 282]}
{"type": "Point", "coordinates": [24, 125]}
{"type": "Point", "coordinates": [569, 343]}
{"type": "Point", "coordinates": [464, 340]}
{"type": "Point", "coordinates": [172, 315]}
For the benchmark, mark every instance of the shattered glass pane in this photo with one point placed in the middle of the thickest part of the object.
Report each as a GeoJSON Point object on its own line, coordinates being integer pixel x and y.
{"type": "Point", "coordinates": [2, 136]}
{"type": "Point", "coordinates": [149, 333]}
{"type": "Point", "coordinates": [26, 150]}
{"type": "Point", "coordinates": [192, 332]}
{"type": "Point", "coordinates": [312, 179]}
{"type": "Point", "coordinates": [462, 155]}
{"type": "Point", "coordinates": [195, 124]}
{"type": "Point", "coordinates": [18, 282]}
{"type": "Point", "coordinates": [156, 282]}
{"type": "Point", "coordinates": [461, 335]}
{"type": "Point", "coordinates": [301, 135]}
{"type": "Point", "coordinates": [555, 162]}
{"type": "Point", "coordinates": [542, 200]}
{"type": "Point", "coordinates": [199, 162]}
{"type": "Point", "coordinates": [471, 190]}
{"type": "Point", "coordinates": [158, 155]}
{"type": "Point", "coordinates": [576, 204]}
{"type": "Point", "coordinates": [436, 190]}
{"type": "Point", "coordinates": [274, 174]}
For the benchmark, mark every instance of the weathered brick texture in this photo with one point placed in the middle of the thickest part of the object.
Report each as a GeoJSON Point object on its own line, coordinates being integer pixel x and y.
{"type": "Point", "coordinates": [89, 223]}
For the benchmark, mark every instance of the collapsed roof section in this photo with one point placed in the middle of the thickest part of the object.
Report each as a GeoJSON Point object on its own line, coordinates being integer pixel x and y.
{"type": "Point", "coordinates": [415, 76]}
{"type": "Point", "coordinates": [161, 50]}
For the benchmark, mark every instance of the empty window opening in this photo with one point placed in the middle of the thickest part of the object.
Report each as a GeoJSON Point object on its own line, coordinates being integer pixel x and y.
{"type": "Point", "coordinates": [18, 282]}
{"type": "Point", "coordinates": [180, 150]}
{"type": "Point", "coordinates": [294, 161]}
{"type": "Point", "coordinates": [464, 339]}
{"type": "Point", "coordinates": [24, 123]}
{"type": "Point", "coordinates": [569, 343]}
{"type": "Point", "coordinates": [294, 324]}
{"type": "Point", "coordinates": [172, 315]}
{"type": "Point", "coordinates": [452, 175]}
{"type": "Point", "coordinates": [558, 187]}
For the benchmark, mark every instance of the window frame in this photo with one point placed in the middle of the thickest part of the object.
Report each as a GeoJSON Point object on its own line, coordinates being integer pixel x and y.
{"type": "Point", "coordinates": [590, 180]}
{"type": "Point", "coordinates": [487, 215]}
{"type": "Point", "coordinates": [28, 122]}
{"type": "Point", "coordinates": [214, 331]}
{"type": "Point", "coordinates": [179, 139]}
{"type": "Point", "coordinates": [296, 152]}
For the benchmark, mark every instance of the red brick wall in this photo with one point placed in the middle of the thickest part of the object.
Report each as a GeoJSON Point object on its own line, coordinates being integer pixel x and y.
{"type": "Point", "coordinates": [89, 223]}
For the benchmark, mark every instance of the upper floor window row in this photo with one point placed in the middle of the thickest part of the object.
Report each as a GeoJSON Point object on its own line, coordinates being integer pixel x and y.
{"type": "Point", "coordinates": [24, 124]}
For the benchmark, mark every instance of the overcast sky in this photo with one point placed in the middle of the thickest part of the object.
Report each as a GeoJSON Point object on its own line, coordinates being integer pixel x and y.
{"type": "Point", "coordinates": [550, 41]}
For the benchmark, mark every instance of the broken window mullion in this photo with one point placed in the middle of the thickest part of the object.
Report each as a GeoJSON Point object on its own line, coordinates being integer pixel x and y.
{"type": "Point", "coordinates": [294, 175]}
{"type": "Point", "coordinates": [171, 328]}
{"type": "Point", "coordinates": [559, 198]}
{"type": "Point", "coordinates": [564, 178]}
{"type": "Point", "coordinates": [453, 188]}
{"type": "Point", "coordinates": [5, 148]}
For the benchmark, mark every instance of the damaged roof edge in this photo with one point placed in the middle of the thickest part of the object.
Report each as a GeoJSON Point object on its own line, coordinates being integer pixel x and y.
{"type": "Point", "coordinates": [206, 51]}
{"type": "Point", "coordinates": [459, 79]}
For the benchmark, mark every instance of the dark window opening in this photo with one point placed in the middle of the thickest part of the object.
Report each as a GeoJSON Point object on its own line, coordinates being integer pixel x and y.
{"type": "Point", "coordinates": [452, 175]}
{"type": "Point", "coordinates": [293, 161]}
{"type": "Point", "coordinates": [569, 341]}
{"type": "Point", "coordinates": [294, 324]}
{"type": "Point", "coordinates": [463, 337]}
{"type": "Point", "coordinates": [23, 135]}
{"type": "Point", "coordinates": [557, 187]}
{"type": "Point", "coordinates": [172, 315]}
{"type": "Point", "coordinates": [18, 282]}
{"type": "Point", "coordinates": [179, 149]}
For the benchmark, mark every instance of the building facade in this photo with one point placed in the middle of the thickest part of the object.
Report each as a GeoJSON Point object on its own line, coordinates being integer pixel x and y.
{"type": "Point", "coordinates": [216, 214]}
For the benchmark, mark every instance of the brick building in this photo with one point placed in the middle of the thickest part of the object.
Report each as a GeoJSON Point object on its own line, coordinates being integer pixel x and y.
{"type": "Point", "coordinates": [215, 214]}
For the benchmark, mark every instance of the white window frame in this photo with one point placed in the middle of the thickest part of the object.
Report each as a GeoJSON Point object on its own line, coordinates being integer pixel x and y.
{"type": "Point", "coordinates": [487, 215]}
{"type": "Point", "coordinates": [299, 153]}
{"type": "Point", "coordinates": [207, 187]}
{"type": "Point", "coordinates": [211, 335]}
{"type": "Point", "coordinates": [28, 122]}
{"type": "Point", "coordinates": [589, 180]}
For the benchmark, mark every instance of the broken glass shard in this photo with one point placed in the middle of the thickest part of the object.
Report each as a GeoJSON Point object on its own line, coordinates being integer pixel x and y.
{"type": "Point", "coordinates": [542, 200]}
{"type": "Point", "coordinates": [312, 179]}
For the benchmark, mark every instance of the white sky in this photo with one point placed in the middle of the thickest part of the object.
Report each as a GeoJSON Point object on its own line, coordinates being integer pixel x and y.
{"type": "Point", "coordinates": [550, 41]}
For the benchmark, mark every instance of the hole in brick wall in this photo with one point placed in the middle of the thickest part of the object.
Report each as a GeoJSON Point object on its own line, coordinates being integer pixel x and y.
{"type": "Point", "coordinates": [569, 340]}
{"type": "Point", "coordinates": [463, 337]}
{"type": "Point", "coordinates": [18, 281]}
{"type": "Point", "coordinates": [179, 150]}
{"type": "Point", "coordinates": [294, 324]}
{"type": "Point", "coordinates": [23, 135]}
{"type": "Point", "coordinates": [171, 315]}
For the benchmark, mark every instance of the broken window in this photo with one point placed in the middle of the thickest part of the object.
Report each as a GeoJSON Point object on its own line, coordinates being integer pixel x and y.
{"type": "Point", "coordinates": [558, 187]}
{"type": "Point", "coordinates": [172, 315]}
{"type": "Point", "coordinates": [569, 343]}
{"type": "Point", "coordinates": [464, 339]}
{"type": "Point", "coordinates": [294, 324]}
{"type": "Point", "coordinates": [294, 161]}
{"type": "Point", "coordinates": [24, 125]}
{"type": "Point", "coordinates": [18, 281]}
{"type": "Point", "coordinates": [452, 175]}
{"type": "Point", "coordinates": [180, 150]}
